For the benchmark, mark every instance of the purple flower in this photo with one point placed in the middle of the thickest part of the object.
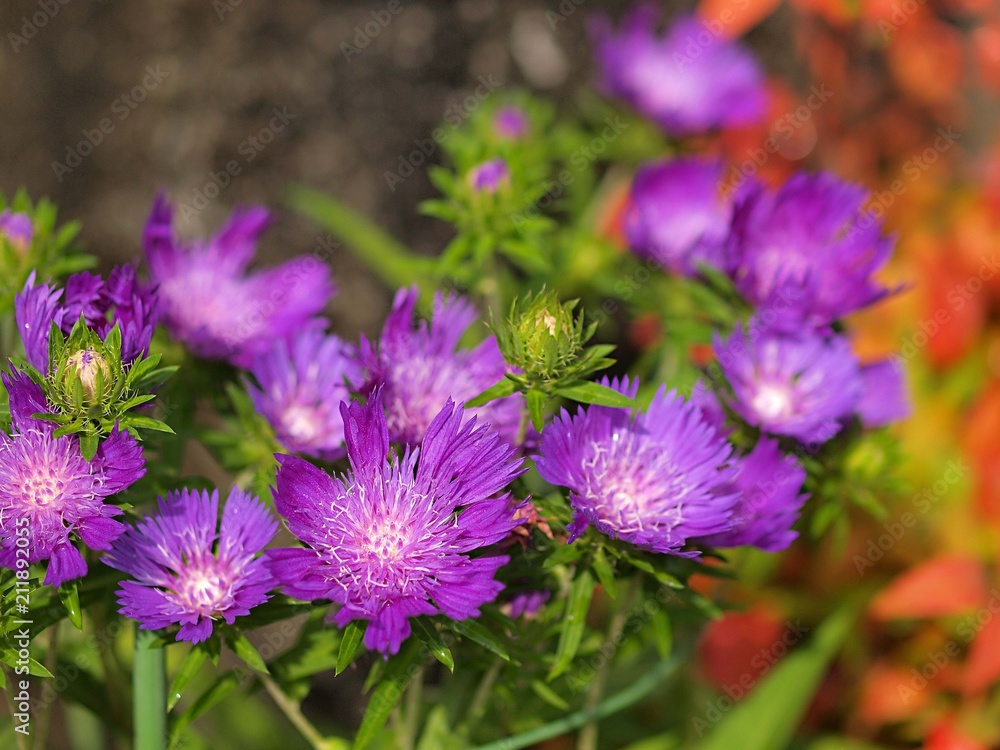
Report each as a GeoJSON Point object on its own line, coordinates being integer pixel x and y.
{"type": "Point", "coordinates": [798, 384]}
{"type": "Point", "coordinates": [654, 480]}
{"type": "Point", "coordinates": [17, 229]}
{"type": "Point", "coordinates": [301, 384]}
{"type": "Point", "coordinates": [688, 81]}
{"type": "Point", "coordinates": [510, 123]}
{"type": "Point", "coordinates": [883, 394]}
{"type": "Point", "coordinates": [188, 569]}
{"type": "Point", "coordinates": [489, 176]}
{"type": "Point", "coordinates": [527, 603]}
{"type": "Point", "coordinates": [392, 539]}
{"type": "Point", "coordinates": [49, 492]}
{"type": "Point", "coordinates": [210, 301]}
{"type": "Point", "coordinates": [121, 300]}
{"type": "Point", "coordinates": [703, 398]}
{"type": "Point", "coordinates": [770, 485]}
{"type": "Point", "coordinates": [806, 251]}
{"type": "Point", "coordinates": [678, 216]}
{"type": "Point", "coordinates": [420, 368]}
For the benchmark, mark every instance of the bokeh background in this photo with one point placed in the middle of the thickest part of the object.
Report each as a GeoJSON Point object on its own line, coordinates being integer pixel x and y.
{"type": "Point", "coordinates": [909, 109]}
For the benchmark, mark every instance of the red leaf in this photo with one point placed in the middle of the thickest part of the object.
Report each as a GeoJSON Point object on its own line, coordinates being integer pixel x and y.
{"type": "Point", "coordinates": [983, 666]}
{"type": "Point", "coordinates": [943, 586]}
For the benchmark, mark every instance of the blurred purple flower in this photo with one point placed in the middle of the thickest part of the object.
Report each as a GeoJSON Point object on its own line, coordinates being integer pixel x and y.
{"type": "Point", "coordinates": [49, 492]}
{"type": "Point", "coordinates": [17, 229]}
{"type": "Point", "coordinates": [678, 215]}
{"type": "Point", "coordinates": [687, 81]}
{"type": "Point", "coordinates": [655, 479]}
{"type": "Point", "coordinates": [420, 368]}
{"type": "Point", "coordinates": [217, 308]}
{"type": "Point", "coordinates": [807, 251]}
{"type": "Point", "coordinates": [489, 176]}
{"type": "Point", "coordinates": [188, 570]}
{"type": "Point", "coordinates": [392, 539]}
{"type": "Point", "coordinates": [301, 384]}
{"type": "Point", "coordinates": [800, 384]}
{"type": "Point", "coordinates": [527, 603]}
{"type": "Point", "coordinates": [770, 486]}
{"type": "Point", "coordinates": [510, 123]}
{"type": "Point", "coordinates": [883, 394]}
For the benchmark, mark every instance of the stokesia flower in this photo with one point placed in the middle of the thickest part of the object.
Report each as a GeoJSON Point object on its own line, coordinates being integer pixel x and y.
{"type": "Point", "coordinates": [122, 300]}
{"type": "Point", "coordinates": [655, 479]}
{"type": "Point", "coordinates": [807, 250]}
{"type": "Point", "coordinates": [687, 81]}
{"type": "Point", "coordinates": [770, 485]}
{"type": "Point", "coordinates": [511, 123]}
{"type": "Point", "coordinates": [678, 216]}
{"type": "Point", "coordinates": [394, 538]}
{"type": "Point", "coordinates": [49, 489]}
{"type": "Point", "coordinates": [488, 176]}
{"type": "Point", "coordinates": [17, 229]}
{"type": "Point", "coordinates": [217, 308]}
{"type": "Point", "coordinates": [800, 384]}
{"type": "Point", "coordinates": [420, 367]}
{"type": "Point", "coordinates": [300, 385]}
{"type": "Point", "coordinates": [188, 570]}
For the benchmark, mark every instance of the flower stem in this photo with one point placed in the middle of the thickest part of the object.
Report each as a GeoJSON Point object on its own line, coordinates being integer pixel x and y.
{"type": "Point", "coordinates": [291, 710]}
{"type": "Point", "coordinates": [149, 688]}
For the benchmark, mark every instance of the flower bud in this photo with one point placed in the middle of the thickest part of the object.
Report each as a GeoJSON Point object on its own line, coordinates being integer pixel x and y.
{"type": "Point", "coordinates": [92, 371]}
{"type": "Point", "coordinates": [489, 176]}
{"type": "Point", "coordinates": [542, 337]}
{"type": "Point", "coordinates": [17, 229]}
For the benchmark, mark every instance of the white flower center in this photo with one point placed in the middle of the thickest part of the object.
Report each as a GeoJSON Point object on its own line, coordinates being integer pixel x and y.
{"type": "Point", "coordinates": [773, 402]}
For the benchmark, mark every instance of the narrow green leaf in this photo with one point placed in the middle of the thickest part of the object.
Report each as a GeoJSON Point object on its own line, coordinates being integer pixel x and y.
{"type": "Point", "coordinates": [587, 392]}
{"type": "Point", "coordinates": [353, 635]}
{"type": "Point", "coordinates": [769, 716]}
{"type": "Point", "coordinates": [219, 689]}
{"type": "Point", "coordinates": [147, 423]}
{"type": "Point", "coordinates": [241, 645]}
{"type": "Point", "coordinates": [663, 632]}
{"type": "Point", "coordinates": [426, 631]}
{"type": "Point", "coordinates": [505, 387]}
{"type": "Point", "coordinates": [479, 634]}
{"type": "Point", "coordinates": [605, 573]}
{"type": "Point", "coordinates": [192, 663]}
{"type": "Point", "coordinates": [536, 408]}
{"type": "Point", "coordinates": [574, 622]}
{"type": "Point", "coordinates": [563, 555]}
{"type": "Point", "coordinates": [88, 444]}
{"type": "Point", "coordinates": [400, 669]}
{"type": "Point", "coordinates": [549, 695]}
{"type": "Point", "coordinates": [69, 595]}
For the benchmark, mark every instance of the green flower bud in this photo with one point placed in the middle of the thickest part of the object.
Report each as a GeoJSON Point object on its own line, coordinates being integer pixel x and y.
{"type": "Point", "coordinates": [92, 371]}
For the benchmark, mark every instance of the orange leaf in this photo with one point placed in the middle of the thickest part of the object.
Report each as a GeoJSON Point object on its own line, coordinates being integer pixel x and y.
{"type": "Point", "coordinates": [983, 666]}
{"type": "Point", "coordinates": [732, 18]}
{"type": "Point", "coordinates": [888, 695]}
{"type": "Point", "coordinates": [943, 586]}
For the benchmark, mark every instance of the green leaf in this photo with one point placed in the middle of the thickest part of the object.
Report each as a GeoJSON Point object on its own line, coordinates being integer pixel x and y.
{"type": "Point", "coordinates": [587, 392]}
{"type": "Point", "coordinates": [241, 645]}
{"type": "Point", "coordinates": [662, 632]}
{"type": "Point", "coordinates": [192, 663]}
{"type": "Point", "coordinates": [218, 690]}
{"type": "Point", "coordinates": [536, 407]}
{"type": "Point", "coordinates": [400, 669]}
{"type": "Point", "coordinates": [549, 695]}
{"type": "Point", "coordinates": [353, 635]}
{"type": "Point", "coordinates": [89, 442]}
{"type": "Point", "coordinates": [769, 716]}
{"type": "Point", "coordinates": [379, 250]}
{"type": "Point", "coordinates": [574, 622]}
{"type": "Point", "coordinates": [605, 573]}
{"type": "Point", "coordinates": [69, 595]}
{"type": "Point", "coordinates": [426, 631]}
{"type": "Point", "coordinates": [563, 555]}
{"type": "Point", "coordinates": [147, 423]}
{"type": "Point", "coordinates": [505, 387]}
{"type": "Point", "coordinates": [479, 634]}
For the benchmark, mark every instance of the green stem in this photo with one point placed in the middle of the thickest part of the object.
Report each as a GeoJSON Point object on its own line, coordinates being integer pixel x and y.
{"type": "Point", "coordinates": [478, 706]}
{"type": "Point", "coordinates": [588, 737]}
{"type": "Point", "coordinates": [291, 709]}
{"type": "Point", "coordinates": [149, 693]}
{"type": "Point", "coordinates": [618, 702]}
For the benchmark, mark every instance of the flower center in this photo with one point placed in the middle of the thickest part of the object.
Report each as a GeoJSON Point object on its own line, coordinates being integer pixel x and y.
{"type": "Point", "coordinates": [386, 540]}
{"type": "Point", "coordinates": [773, 402]}
{"type": "Point", "coordinates": [302, 423]}
{"type": "Point", "coordinates": [43, 488]}
{"type": "Point", "coordinates": [203, 588]}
